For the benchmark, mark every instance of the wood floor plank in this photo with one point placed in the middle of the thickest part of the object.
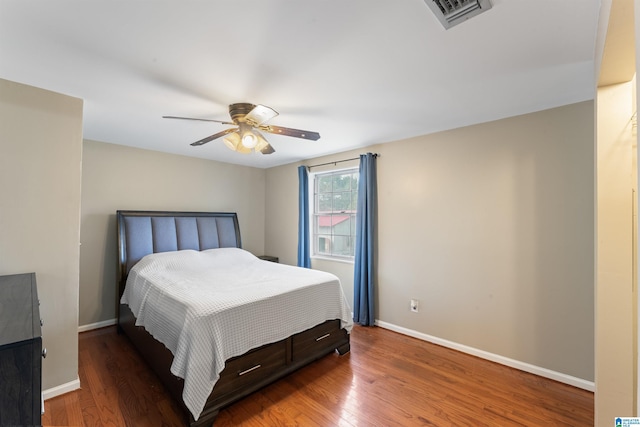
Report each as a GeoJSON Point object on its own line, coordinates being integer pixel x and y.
{"type": "Point", "coordinates": [387, 379]}
{"type": "Point", "coordinates": [73, 410]}
{"type": "Point", "coordinates": [59, 415]}
{"type": "Point", "coordinates": [90, 412]}
{"type": "Point", "coordinates": [104, 396]}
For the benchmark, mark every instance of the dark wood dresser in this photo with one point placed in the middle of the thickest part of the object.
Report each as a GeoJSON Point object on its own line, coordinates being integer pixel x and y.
{"type": "Point", "coordinates": [20, 351]}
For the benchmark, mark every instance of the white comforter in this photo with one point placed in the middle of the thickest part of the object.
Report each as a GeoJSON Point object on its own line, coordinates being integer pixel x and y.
{"type": "Point", "coordinates": [209, 306]}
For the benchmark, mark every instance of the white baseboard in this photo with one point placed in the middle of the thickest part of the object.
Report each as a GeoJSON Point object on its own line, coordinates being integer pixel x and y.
{"type": "Point", "coordinates": [543, 372]}
{"type": "Point", "coordinates": [61, 389]}
{"type": "Point", "coordinates": [98, 325]}
{"type": "Point", "coordinates": [75, 384]}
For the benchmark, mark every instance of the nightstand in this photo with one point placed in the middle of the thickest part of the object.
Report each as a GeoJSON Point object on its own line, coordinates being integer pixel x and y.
{"type": "Point", "coordinates": [269, 258]}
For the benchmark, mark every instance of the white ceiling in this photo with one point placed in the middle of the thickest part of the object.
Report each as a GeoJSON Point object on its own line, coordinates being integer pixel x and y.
{"type": "Point", "coordinates": [359, 72]}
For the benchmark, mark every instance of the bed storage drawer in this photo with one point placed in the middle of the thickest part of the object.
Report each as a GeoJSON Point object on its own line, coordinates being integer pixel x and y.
{"type": "Point", "coordinates": [326, 336]}
{"type": "Point", "coordinates": [251, 367]}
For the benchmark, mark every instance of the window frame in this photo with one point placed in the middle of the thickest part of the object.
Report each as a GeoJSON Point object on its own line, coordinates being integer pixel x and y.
{"type": "Point", "coordinates": [312, 214]}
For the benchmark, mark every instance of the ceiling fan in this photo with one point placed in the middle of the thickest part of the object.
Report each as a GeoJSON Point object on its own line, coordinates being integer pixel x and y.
{"type": "Point", "coordinates": [249, 120]}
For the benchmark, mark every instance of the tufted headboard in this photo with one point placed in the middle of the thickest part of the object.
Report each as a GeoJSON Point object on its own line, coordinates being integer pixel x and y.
{"type": "Point", "coordinates": [144, 232]}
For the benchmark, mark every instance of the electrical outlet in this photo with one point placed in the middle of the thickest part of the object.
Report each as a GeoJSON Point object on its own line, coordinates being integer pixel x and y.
{"type": "Point", "coordinates": [414, 305]}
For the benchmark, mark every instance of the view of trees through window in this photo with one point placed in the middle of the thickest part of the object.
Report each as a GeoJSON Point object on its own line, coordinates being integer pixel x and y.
{"type": "Point", "coordinates": [335, 199]}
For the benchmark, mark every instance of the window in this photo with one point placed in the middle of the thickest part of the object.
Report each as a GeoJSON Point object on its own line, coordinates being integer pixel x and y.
{"type": "Point", "coordinates": [335, 196]}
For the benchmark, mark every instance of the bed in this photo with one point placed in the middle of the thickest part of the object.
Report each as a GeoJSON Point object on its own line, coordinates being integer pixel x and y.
{"type": "Point", "coordinates": [210, 353]}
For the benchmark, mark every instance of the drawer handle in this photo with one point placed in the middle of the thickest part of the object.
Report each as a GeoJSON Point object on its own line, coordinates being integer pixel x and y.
{"type": "Point", "coordinates": [323, 337]}
{"type": "Point", "coordinates": [41, 322]}
{"type": "Point", "coordinates": [44, 353]}
{"type": "Point", "coordinates": [248, 370]}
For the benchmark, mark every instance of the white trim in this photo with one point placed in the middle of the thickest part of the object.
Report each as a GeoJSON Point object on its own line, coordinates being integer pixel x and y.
{"type": "Point", "coordinates": [336, 259]}
{"type": "Point", "coordinates": [98, 325]}
{"type": "Point", "coordinates": [61, 389]}
{"type": "Point", "coordinates": [75, 384]}
{"type": "Point", "coordinates": [523, 366]}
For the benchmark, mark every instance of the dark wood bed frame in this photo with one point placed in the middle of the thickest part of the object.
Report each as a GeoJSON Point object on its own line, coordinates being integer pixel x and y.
{"type": "Point", "coordinates": [143, 232]}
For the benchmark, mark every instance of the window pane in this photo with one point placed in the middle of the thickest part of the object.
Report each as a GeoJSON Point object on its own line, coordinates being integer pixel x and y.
{"type": "Point", "coordinates": [340, 225]}
{"type": "Point", "coordinates": [341, 201]}
{"type": "Point", "coordinates": [324, 184]}
{"type": "Point", "coordinates": [324, 224]}
{"type": "Point", "coordinates": [342, 182]}
{"type": "Point", "coordinates": [324, 202]}
{"type": "Point", "coordinates": [323, 245]}
{"type": "Point", "coordinates": [334, 209]}
{"type": "Point", "coordinates": [342, 246]}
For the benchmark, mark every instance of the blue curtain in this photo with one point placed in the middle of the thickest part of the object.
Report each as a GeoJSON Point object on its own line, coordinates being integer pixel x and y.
{"type": "Point", "coordinates": [363, 281]}
{"type": "Point", "coordinates": [304, 256]}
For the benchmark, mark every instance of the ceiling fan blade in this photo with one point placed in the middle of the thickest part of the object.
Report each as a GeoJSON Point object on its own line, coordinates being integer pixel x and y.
{"type": "Point", "coordinates": [200, 120]}
{"type": "Point", "coordinates": [263, 146]}
{"type": "Point", "coordinates": [260, 114]}
{"type": "Point", "coordinates": [268, 149]}
{"type": "Point", "coordinates": [296, 133]}
{"type": "Point", "coordinates": [214, 136]}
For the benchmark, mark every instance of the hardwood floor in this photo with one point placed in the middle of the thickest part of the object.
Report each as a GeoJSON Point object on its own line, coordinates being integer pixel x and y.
{"type": "Point", "coordinates": [387, 379]}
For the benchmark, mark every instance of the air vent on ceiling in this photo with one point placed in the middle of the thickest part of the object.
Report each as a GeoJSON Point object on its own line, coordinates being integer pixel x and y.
{"type": "Point", "coordinates": [454, 12]}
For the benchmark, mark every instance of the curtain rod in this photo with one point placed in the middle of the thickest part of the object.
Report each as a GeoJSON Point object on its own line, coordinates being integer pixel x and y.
{"type": "Point", "coordinates": [339, 161]}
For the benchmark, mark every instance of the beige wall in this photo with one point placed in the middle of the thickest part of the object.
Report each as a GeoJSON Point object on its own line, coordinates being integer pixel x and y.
{"type": "Point", "coordinates": [614, 286]}
{"type": "Point", "coordinates": [40, 168]}
{"type": "Point", "coordinates": [117, 177]}
{"type": "Point", "coordinates": [616, 345]}
{"type": "Point", "coordinates": [490, 227]}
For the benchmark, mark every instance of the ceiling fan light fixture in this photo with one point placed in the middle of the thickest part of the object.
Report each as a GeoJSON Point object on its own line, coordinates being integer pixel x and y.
{"type": "Point", "coordinates": [249, 140]}
{"type": "Point", "coordinates": [233, 141]}
{"type": "Point", "coordinates": [230, 142]}
{"type": "Point", "coordinates": [250, 118]}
